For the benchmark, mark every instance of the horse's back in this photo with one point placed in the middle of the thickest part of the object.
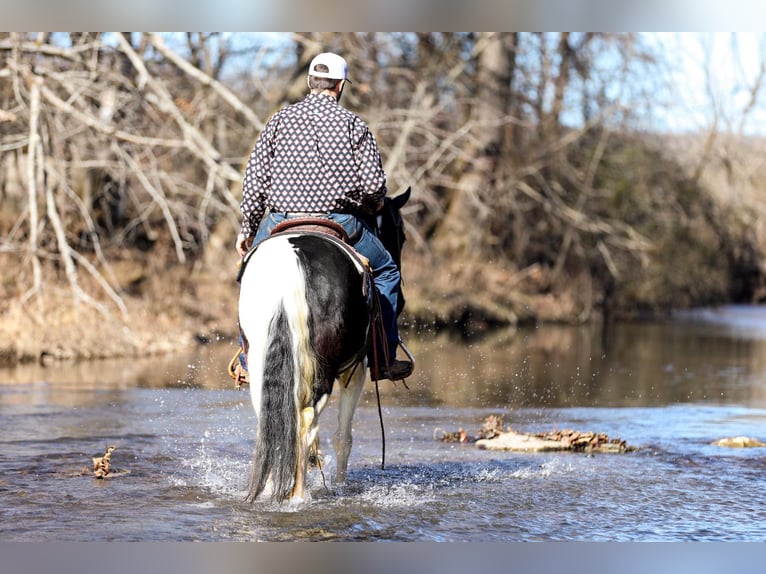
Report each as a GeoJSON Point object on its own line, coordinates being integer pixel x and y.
{"type": "Point", "coordinates": [332, 268]}
{"type": "Point", "coordinates": [330, 278]}
{"type": "Point", "coordinates": [272, 277]}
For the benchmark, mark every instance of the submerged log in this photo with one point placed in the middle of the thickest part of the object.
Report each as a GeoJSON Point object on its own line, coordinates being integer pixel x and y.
{"type": "Point", "coordinates": [515, 441]}
{"type": "Point", "coordinates": [554, 441]}
{"type": "Point", "coordinates": [493, 436]}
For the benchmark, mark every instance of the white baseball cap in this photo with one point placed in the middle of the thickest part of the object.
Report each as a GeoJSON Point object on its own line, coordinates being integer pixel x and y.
{"type": "Point", "coordinates": [337, 68]}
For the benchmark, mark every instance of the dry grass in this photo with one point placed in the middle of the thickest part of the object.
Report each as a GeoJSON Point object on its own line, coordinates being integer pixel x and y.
{"type": "Point", "coordinates": [168, 309]}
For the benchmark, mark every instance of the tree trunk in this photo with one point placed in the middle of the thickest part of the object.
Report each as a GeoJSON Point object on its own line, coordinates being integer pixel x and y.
{"type": "Point", "coordinates": [461, 231]}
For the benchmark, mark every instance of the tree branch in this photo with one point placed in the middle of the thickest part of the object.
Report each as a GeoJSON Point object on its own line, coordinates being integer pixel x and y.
{"type": "Point", "coordinates": [195, 141]}
{"type": "Point", "coordinates": [228, 96]}
{"type": "Point", "coordinates": [34, 162]}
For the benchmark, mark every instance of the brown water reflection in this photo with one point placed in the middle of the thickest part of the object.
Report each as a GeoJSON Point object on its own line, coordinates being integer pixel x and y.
{"type": "Point", "coordinates": [629, 365]}
{"type": "Point", "coordinates": [108, 381]}
{"type": "Point", "coordinates": [200, 366]}
{"type": "Point", "coordinates": [551, 366]}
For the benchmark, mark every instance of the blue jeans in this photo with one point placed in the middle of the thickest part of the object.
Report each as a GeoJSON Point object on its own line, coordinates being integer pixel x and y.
{"type": "Point", "coordinates": [384, 269]}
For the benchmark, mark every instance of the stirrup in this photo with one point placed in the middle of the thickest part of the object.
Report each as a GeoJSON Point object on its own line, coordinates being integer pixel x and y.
{"type": "Point", "coordinates": [407, 352]}
{"type": "Point", "coordinates": [236, 371]}
{"type": "Point", "coordinates": [380, 372]}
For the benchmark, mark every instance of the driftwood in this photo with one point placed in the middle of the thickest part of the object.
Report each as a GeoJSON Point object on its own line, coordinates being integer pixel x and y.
{"type": "Point", "coordinates": [493, 436]}
{"type": "Point", "coordinates": [570, 440]}
{"type": "Point", "coordinates": [102, 464]}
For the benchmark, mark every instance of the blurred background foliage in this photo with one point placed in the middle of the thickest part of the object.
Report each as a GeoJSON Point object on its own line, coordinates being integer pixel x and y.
{"type": "Point", "coordinates": [547, 185]}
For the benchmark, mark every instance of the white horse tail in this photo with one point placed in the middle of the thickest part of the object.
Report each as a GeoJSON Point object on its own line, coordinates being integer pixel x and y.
{"type": "Point", "coordinates": [274, 318]}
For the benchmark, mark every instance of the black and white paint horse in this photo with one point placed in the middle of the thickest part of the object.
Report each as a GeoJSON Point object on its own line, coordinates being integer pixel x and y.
{"type": "Point", "coordinates": [305, 312]}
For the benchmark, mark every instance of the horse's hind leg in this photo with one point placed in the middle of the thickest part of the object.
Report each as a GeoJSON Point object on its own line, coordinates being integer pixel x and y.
{"type": "Point", "coordinates": [350, 391]}
{"type": "Point", "coordinates": [308, 428]}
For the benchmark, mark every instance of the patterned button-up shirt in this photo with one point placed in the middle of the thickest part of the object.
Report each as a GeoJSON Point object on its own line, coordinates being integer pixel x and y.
{"type": "Point", "coordinates": [312, 156]}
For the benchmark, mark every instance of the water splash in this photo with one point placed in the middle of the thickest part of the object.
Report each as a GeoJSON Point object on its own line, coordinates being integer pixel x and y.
{"type": "Point", "coordinates": [400, 495]}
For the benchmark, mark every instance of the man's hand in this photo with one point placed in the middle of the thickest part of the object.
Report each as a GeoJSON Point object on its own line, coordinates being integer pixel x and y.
{"type": "Point", "coordinates": [243, 244]}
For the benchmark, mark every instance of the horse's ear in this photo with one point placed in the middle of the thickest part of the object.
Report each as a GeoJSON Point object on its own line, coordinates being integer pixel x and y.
{"type": "Point", "coordinates": [399, 201]}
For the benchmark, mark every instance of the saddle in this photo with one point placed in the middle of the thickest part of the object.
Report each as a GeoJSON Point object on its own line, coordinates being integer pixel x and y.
{"type": "Point", "coordinates": [315, 224]}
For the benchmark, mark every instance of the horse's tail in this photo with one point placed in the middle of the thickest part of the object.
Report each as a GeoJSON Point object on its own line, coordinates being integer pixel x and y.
{"type": "Point", "coordinates": [274, 317]}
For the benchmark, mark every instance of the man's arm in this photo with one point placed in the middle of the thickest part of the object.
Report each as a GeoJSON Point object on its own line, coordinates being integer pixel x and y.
{"type": "Point", "coordinates": [255, 189]}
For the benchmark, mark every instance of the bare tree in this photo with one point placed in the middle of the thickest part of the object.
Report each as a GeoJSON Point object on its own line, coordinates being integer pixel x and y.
{"type": "Point", "coordinates": [528, 165]}
{"type": "Point", "coordinates": [115, 144]}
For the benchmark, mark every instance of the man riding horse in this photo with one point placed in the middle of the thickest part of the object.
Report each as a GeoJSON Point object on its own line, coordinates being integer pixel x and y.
{"type": "Point", "coordinates": [315, 158]}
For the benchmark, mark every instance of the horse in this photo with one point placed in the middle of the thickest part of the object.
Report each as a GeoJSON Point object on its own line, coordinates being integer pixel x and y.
{"type": "Point", "coordinates": [306, 313]}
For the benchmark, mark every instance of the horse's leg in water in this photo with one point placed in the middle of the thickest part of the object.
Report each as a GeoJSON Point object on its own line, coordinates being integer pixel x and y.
{"type": "Point", "coordinates": [309, 428]}
{"type": "Point", "coordinates": [350, 387]}
{"type": "Point", "coordinates": [307, 418]}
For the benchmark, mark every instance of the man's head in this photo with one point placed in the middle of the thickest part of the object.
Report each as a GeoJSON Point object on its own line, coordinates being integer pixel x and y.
{"type": "Point", "coordinates": [329, 65]}
{"type": "Point", "coordinates": [327, 71]}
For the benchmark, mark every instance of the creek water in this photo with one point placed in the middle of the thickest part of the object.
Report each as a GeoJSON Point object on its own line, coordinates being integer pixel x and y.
{"type": "Point", "coordinates": [183, 436]}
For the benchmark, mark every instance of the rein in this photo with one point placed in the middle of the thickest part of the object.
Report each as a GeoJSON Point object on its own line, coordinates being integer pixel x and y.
{"type": "Point", "coordinates": [382, 429]}
{"type": "Point", "coordinates": [378, 331]}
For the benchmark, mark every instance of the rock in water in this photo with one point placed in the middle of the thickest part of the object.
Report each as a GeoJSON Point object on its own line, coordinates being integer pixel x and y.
{"type": "Point", "coordinates": [739, 442]}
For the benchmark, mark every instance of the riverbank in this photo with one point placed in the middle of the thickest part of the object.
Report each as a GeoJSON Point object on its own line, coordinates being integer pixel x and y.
{"type": "Point", "coordinates": [174, 308]}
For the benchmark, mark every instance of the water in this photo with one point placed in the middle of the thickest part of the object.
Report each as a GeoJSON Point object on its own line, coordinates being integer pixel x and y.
{"type": "Point", "coordinates": [183, 438]}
